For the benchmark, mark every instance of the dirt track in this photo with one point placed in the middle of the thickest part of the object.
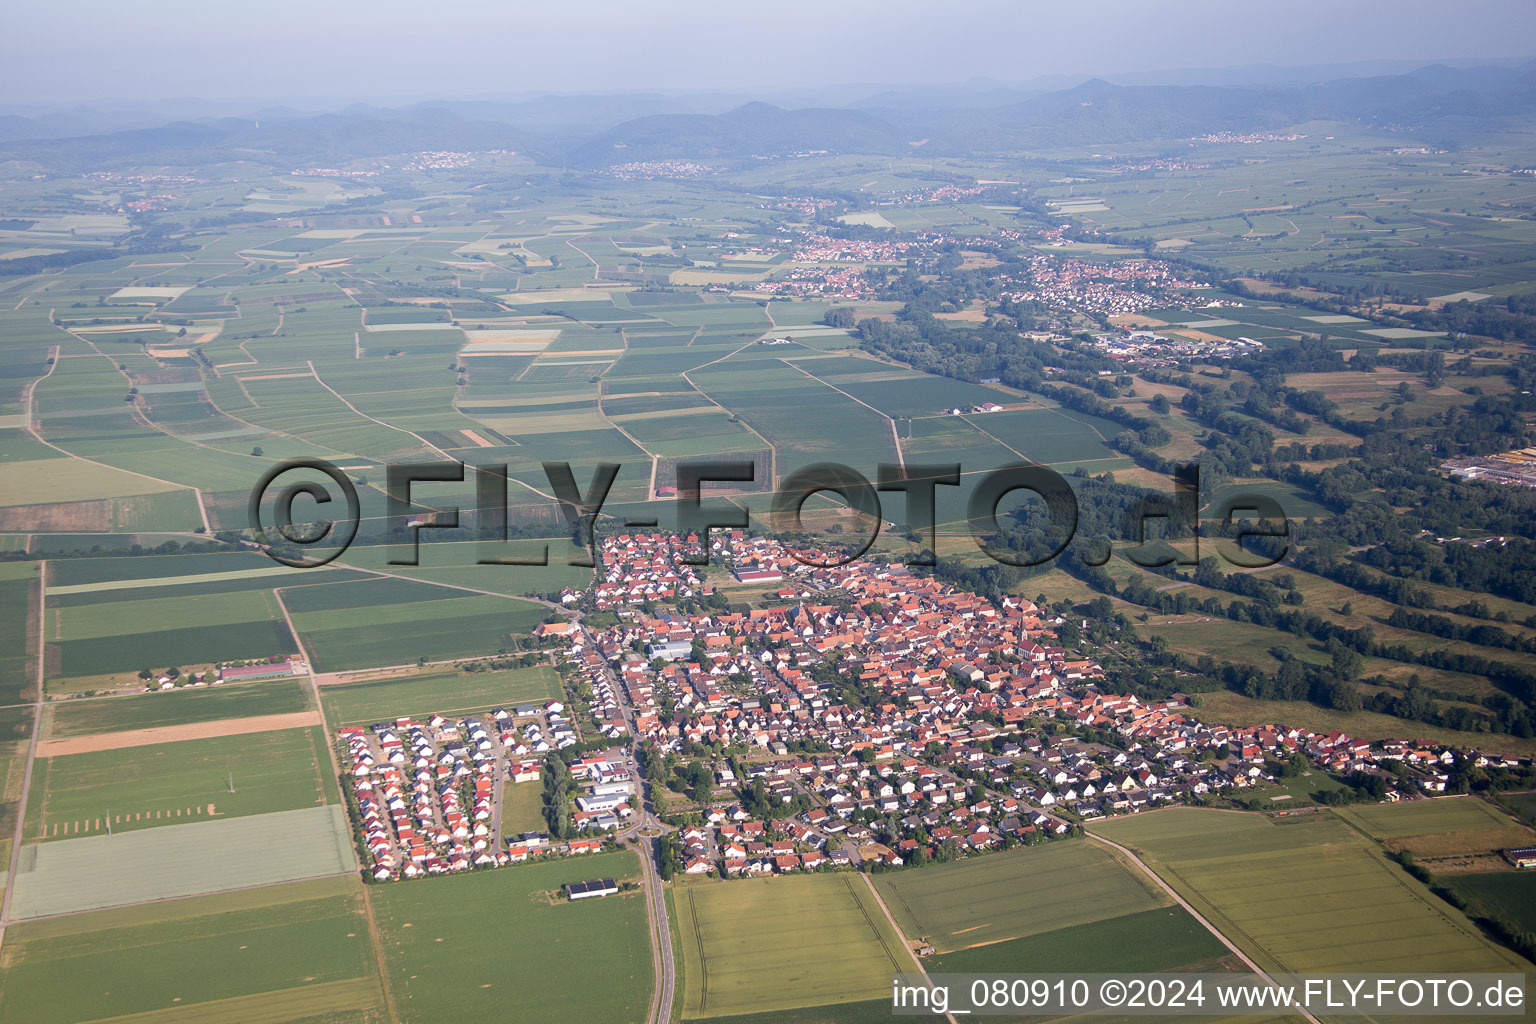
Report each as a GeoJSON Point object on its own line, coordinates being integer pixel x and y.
{"type": "Point", "coordinates": [172, 733]}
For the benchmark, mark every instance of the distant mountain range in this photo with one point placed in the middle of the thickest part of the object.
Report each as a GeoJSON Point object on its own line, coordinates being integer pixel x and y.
{"type": "Point", "coordinates": [1437, 104]}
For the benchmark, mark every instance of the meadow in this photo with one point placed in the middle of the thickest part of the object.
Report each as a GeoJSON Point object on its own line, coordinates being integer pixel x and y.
{"type": "Point", "coordinates": [499, 944]}
{"type": "Point", "coordinates": [814, 939]}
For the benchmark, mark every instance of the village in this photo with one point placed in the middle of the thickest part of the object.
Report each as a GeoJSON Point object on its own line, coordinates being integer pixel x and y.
{"type": "Point", "coordinates": [867, 717]}
{"type": "Point", "coordinates": [981, 732]}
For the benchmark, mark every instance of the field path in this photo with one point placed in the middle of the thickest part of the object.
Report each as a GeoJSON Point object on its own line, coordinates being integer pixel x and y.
{"type": "Point", "coordinates": [773, 451]}
{"type": "Point", "coordinates": [901, 458]}
{"type": "Point", "coordinates": [1181, 901]}
{"type": "Point", "coordinates": [380, 964]}
{"type": "Point", "coordinates": [173, 733]}
{"type": "Point", "coordinates": [590, 260]}
{"type": "Point", "coordinates": [650, 490]}
{"type": "Point", "coordinates": [900, 935]}
{"type": "Point", "coordinates": [26, 775]}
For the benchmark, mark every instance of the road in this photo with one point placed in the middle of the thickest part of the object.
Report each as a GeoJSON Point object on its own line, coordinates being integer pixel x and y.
{"type": "Point", "coordinates": [26, 776]}
{"type": "Point", "coordinates": [1181, 901]}
{"type": "Point", "coordinates": [661, 933]}
{"type": "Point", "coordinates": [641, 836]}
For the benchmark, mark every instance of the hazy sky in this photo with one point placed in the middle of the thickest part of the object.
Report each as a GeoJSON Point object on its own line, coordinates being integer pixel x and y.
{"type": "Point", "coordinates": [73, 50]}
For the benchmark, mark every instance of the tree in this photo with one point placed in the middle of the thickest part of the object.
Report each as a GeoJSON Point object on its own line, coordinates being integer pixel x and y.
{"type": "Point", "coordinates": [256, 451]}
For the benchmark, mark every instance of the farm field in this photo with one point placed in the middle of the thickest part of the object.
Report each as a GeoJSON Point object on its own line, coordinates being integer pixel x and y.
{"type": "Point", "coordinates": [383, 634]}
{"type": "Point", "coordinates": [1448, 836]}
{"type": "Point", "coordinates": [1423, 817]}
{"type": "Point", "coordinates": [814, 940]}
{"type": "Point", "coordinates": [279, 953]}
{"type": "Point", "coordinates": [113, 640]}
{"type": "Point", "coordinates": [1304, 894]}
{"type": "Point", "coordinates": [100, 871]}
{"type": "Point", "coordinates": [18, 630]}
{"type": "Point", "coordinates": [88, 717]}
{"type": "Point", "coordinates": [1524, 805]}
{"type": "Point", "coordinates": [1508, 894]}
{"type": "Point", "coordinates": [1008, 895]}
{"type": "Point", "coordinates": [448, 693]}
{"type": "Point", "coordinates": [455, 564]}
{"type": "Point", "coordinates": [170, 783]}
{"type": "Point", "coordinates": [471, 946]}
{"type": "Point", "coordinates": [1159, 939]}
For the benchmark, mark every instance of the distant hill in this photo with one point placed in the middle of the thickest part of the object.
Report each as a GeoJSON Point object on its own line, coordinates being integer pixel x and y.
{"type": "Point", "coordinates": [1438, 104]}
{"type": "Point", "coordinates": [282, 142]}
{"type": "Point", "coordinates": [755, 129]}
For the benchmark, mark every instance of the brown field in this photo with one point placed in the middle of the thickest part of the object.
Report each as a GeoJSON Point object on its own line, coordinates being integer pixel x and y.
{"type": "Point", "coordinates": [1483, 841]}
{"type": "Point", "coordinates": [173, 733]}
{"type": "Point", "coordinates": [61, 517]}
{"type": "Point", "coordinates": [1269, 288]}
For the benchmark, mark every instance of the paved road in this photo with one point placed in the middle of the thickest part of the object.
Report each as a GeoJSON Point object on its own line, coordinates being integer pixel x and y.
{"type": "Point", "coordinates": [649, 850]}
{"type": "Point", "coordinates": [1255, 968]}
{"type": "Point", "coordinates": [661, 934]}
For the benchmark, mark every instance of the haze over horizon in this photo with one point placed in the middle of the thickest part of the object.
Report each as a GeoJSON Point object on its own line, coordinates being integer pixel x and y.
{"type": "Point", "coordinates": [391, 51]}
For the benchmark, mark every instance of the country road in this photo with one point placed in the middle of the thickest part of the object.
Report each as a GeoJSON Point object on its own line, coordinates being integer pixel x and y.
{"type": "Point", "coordinates": [649, 850]}
{"type": "Point", "coordinates": [661, 934]}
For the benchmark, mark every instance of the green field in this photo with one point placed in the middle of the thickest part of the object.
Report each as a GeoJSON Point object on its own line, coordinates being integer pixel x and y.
{"type": "Point", "coordinates": [1507, 894]}
{"type": "Point", "coordinates": [1014, 893]}
{"type": "Point", "coordinates": [171, 783]}
{"type": "Point", "coordinates": [812, 940]}
{"type": "Point", "coordinates": [444, 692]}
{"type": "Point", "coordinates": [1424, 817]}
{"type": "Point", "coordinates": [1304, 894]}
{"type": "Point", "coordinates": [1147, 940]}
{"type": "Point", "coordinates": [1524, 804]}
{"type": "Point", "coordinates": [177, 707]}
{"type": "Point", "coordinates": [281, 953]}
{"type": "Point", "coordinates": [370, 636]}
{"type": "Point", "coordinates": [522, 808]}
{"type": "Point", "coordinates": [494, 945]}
{"type": "Point", "coordinates": [18, 643]}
